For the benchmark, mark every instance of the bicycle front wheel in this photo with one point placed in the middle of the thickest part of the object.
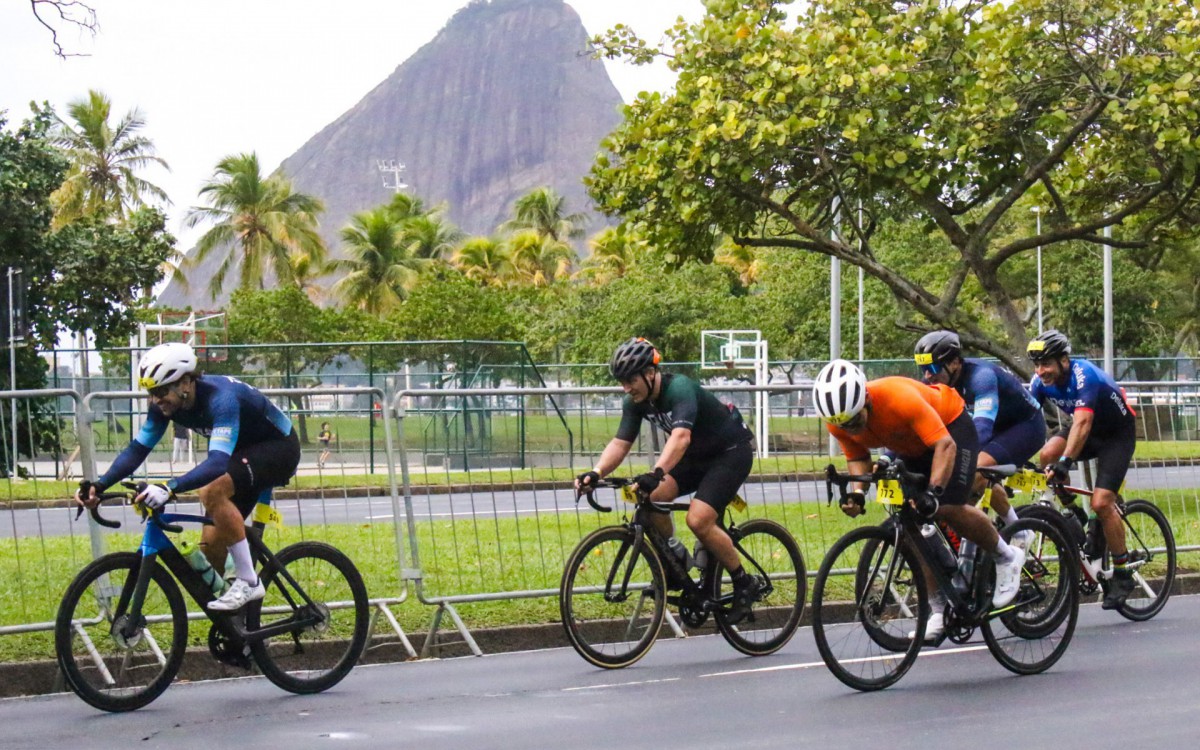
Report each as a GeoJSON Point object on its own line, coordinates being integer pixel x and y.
{"type": "Point", "coordinates": [611, 599]}
{"type": "Point", "coordinates": [326, 601]}
{"type": "Point", "coordinates": [767, 549]}
{"type": "Point", "coordinates": [1151, 546]}
{"type": "Point", "coordinates": [1032, 633]}
{"type": "Point", "coordinates": [868, 609]}
{"type": "Point", "coordinates": [107, 669]}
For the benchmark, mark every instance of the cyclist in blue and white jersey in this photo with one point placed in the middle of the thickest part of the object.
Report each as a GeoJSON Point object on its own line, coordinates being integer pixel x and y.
{"type": "Point", "coordinates": [1009, 421]}
{"type": "Point", "coordinates": [1102, 427]}
{"type": "Point", "coordinates": [252, 448]}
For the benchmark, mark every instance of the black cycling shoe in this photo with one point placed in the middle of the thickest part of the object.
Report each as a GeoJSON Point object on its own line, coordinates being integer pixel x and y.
{"type": "Point", "coordinates": [745, 593]}
{"type": "Point", "coordinates": [1119, 587]}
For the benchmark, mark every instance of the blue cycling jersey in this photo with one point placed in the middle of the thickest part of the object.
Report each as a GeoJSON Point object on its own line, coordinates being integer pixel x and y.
{"type": "Point", "coordinates": [995, 397]}
{"type": "Point", "coordinates": [1086, 387]}
{"type": "Point", "coordinates": [228, 412]}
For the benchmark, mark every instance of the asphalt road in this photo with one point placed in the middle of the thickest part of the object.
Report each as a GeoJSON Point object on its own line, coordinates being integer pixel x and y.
{"type": "Point", "coordinates": [1121, 685]}
{"type": "Point", "coordinates": [337, 508]}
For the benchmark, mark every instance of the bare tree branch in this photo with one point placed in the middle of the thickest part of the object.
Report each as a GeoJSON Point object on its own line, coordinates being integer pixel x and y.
{"type": "Point", "coordinates": [70, 13]}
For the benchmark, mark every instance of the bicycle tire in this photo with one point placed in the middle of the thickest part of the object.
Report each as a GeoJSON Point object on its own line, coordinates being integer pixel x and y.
{"type": "Point", "coordinates": [774, 619]}
{"type": "Point", "coordinates": [313, 658]}
{"type": "Point", "coordinates": [610, 630]}
{"type": "Point", "coordinates": [1161, 572]}
{"type": "Point", "coordinates": [100, 584]}
{"type": "Point", "coordinates": [1031, 635]}
{"type": "Point", "coordinates": [842, 633]}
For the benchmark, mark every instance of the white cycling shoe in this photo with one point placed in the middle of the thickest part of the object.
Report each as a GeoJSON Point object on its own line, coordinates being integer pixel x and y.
{"type": "Point", "coordinates": [238, 595]}
{"type": "Point", "coordinates": [1022, 539]}
{"type": "Point", "coordinates": [933, 628]}
{"type": "Point", "coordinates": [1008, 578]}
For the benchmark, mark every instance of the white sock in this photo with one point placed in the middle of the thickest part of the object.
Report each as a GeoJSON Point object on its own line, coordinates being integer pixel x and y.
{"type": "Point", "coordinates": [1010, 516]}
{"type": "Point", "coordinates": [1004, 553]}
{"type": "Point", "coordinates": [242, 562]}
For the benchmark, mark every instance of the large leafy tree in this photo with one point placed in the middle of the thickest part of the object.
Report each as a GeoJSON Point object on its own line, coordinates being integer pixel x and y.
{"type": "Point", "coordinates": [259, 223]}
{"type": "Point", "coordinates": [106, 159]}
{"type": "Point", "coordinates": [959, 114]}
{"type": "Point", "coordinates": [380, 267]}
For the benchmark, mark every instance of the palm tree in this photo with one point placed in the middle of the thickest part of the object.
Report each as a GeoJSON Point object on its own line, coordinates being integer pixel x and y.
{"type": "Point", "coordinates": [380, 266]}
{"type": "Point", "coordinates": [404, 206]}
{"type": "Point", "coordinates": [542, 209]}
{"type": "Point", "coordinates": [260, 223]}
{"type": "Point", "coordinates": [428, 235]}
{"type": "Point", "coordinates": [538, 259]}
{"type": "Point", "coordinates": [105, 160]}
{"type": "Point", "coordinates": [613, 252]}
{"type": "Point", "coordinates": [484, 259]}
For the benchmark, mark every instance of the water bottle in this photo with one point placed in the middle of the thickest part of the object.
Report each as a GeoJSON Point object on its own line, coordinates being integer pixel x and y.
{"type": "Point", "coordinates": [937, 545]}
{"type": "Point", "coordinates": [201, 565]}
{"type": "Point", "coordinates": [966, 565]}
{"type": "Point", "coordinates": [1093, 545]}
{"type": "Point", "coordinates": [699, 556]}
{"type": "Point", "coordinates": [680, 552]}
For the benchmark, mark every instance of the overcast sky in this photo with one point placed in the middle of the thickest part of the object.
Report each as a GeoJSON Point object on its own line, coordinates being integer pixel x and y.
{"type": "Point", "coordinates": [217, 77]}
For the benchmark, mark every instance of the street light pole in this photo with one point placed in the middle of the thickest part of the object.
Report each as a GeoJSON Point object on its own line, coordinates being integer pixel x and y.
{"type": "Point", "coordinates": [12, 363]}
{"type": "Point", "coordinates": [835, 288]}
{"type": "Point", "coordinates": [1108, 304]}
{"type": "Point", "coordinates": [1037, 210]}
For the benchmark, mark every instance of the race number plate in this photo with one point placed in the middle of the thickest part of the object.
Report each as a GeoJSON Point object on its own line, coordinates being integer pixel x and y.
{"type": "Point", "coordinates": [888, 492]}
{"type": "Point", "coordinates": [267, 516]}
{"type": "Point", "coordinates": [1027, 480]}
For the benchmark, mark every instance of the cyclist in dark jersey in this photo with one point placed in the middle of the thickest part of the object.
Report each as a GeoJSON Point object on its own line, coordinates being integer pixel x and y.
{"type": "Point", "coordinates": [1102, 427]}
{"type": "Point", "coordinates": [1008, 420]}
{"type": "Point", "coordinates": [252, 448]}
{"type": "Point", "coordinates": [709, 453]}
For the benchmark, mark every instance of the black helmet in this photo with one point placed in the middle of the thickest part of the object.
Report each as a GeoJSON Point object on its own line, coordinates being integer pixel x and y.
{"type": "Point", "coordinates": [937, 348]}
{"type": "Point", "coordinates": [632, 357]}
{"type": "Point", "coordinates": [1049, 345]}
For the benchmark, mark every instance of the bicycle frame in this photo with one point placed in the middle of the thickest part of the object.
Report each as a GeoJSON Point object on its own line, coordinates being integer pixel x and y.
{"type": "Point", "coordinates": [156, 544]}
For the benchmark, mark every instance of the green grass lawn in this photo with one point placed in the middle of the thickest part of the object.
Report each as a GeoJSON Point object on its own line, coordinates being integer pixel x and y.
{"type": "Point", "coordinates": [468, 556]}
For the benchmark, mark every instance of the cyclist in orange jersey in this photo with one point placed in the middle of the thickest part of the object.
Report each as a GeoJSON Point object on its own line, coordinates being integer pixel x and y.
{"type": "Point", "coordinates": [928, 427]}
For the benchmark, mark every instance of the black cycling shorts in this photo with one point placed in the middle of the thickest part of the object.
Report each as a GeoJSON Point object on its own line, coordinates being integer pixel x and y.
{"type": "Point", "coordinates": [1113, 452]}
{"type": "Point", "coordinates": [715, 480]}
{"type": "Point", "coordinates": [1019, 443]}
{"type": "Point", "coordinates": [966, 455]}
{"type": "Point", "coordinates": [261, 466]}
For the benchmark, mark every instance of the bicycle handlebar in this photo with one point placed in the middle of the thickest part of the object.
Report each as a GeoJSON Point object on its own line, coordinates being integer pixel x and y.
{"type": "Point", "coordinates": [894, 470]}
{"type": "Point", "coordinates": [94, 510]}
{"type": "Point", "coordinates": [589, 491]}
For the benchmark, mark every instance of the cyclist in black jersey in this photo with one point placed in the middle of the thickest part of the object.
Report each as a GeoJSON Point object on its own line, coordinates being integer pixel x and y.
{"type": "Point", "coordinates": [252, 448]}
{"type": "Point", "coordinates": [709, 452]}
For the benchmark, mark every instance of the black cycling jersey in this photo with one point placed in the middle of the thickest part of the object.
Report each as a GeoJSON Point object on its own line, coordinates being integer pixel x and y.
{"type": "Point", "coordinates": [681, 402]}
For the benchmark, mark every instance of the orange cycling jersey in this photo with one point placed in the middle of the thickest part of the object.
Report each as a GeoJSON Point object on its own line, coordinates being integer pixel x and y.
{"type": "Point", "coordinates": [904, 416]}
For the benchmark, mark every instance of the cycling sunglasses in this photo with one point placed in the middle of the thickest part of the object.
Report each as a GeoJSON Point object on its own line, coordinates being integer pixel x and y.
{"type": "Point", "coordinates": [162, 390]}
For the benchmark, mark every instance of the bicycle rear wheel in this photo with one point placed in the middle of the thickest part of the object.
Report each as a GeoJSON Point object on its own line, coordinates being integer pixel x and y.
{"type": "Point", "coordinates": [1033, 632]}
{"type": "Point", "coordinates": [1151, 545]}
{"type": "Point", "coordinates": [766, 548]}
{"type": "Point", "coordinates": [104, 668]}
{"type": "Point", "coordinates": [854, 603]}
{"type": "Point", "coordinates": [330, 633]}
{"type": "Point", "coordinates": [612, 601]}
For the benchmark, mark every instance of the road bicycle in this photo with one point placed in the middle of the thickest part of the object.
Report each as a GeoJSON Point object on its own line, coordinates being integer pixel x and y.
{"type": "Point", "coordinates": [121, 632]}
{"type": "Point", "coordinates": [618, 581]}
{"type": "Point", "coordinates": [870, 600]}
{"type": "Point", "coordinates": [1148, 537]}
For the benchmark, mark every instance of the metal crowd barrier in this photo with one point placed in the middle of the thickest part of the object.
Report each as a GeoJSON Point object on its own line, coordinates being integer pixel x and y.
{"type": "Point", "coordinates": [329, 513]}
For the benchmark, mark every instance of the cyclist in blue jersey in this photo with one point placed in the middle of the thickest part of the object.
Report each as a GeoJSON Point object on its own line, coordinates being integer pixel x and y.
{"type": "Point", "coordinates": [252, 448]}
{"type": "Point", "coordinates": [1009, 421]}
{"type": "Point", "coordinates": [1102, 427]}
{"type": "Point", "coordinates": [709, 452]}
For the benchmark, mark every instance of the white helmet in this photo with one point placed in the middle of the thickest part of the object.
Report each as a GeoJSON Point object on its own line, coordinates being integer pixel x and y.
{"type": "Point", "coordinates": [164, 364]}
{"type": "Point", "coordinates": [840, 391]}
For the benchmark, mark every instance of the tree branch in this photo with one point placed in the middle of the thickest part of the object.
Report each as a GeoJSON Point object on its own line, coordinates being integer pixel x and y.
{"type": "Point", "coordinates": [72, 12]}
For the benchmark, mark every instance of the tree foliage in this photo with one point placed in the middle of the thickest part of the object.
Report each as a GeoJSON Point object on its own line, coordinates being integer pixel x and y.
{"type": "Point", "coordinates": [957, 113]}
